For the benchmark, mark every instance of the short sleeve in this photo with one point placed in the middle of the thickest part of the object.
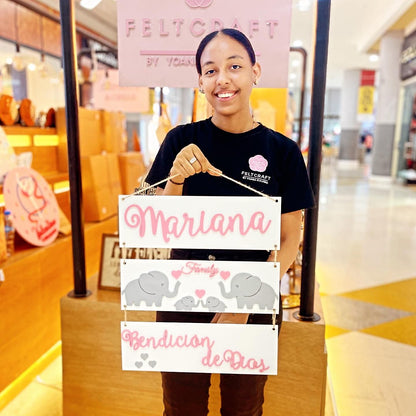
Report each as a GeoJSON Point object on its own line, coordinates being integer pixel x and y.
{"type": "Point", "coordinates": [296, 190]}
{"type": "Point", "coordinates": [164, 159]}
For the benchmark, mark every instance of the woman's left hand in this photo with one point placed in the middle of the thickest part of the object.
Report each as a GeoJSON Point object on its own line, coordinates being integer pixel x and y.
{"type": "Point", "coordinates": [230, 318]}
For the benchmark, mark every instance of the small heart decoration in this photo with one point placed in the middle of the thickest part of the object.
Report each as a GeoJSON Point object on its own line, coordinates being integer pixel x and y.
{"type": "Point", "coordinates": [176, 273]}
{"type": "Point", "coordinates": [138, 364]}
{"type": "Point", "coordinates": [144, 356]}
{"type": "Point", "coordinates": [225, 275]}
{"type": "Point", "coordinates": [152, 363]}
{"type": "Point", "coordinates": [200, 293]}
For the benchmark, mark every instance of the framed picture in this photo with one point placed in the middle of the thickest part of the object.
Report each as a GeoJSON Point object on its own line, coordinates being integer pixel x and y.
{"type": "Point", "coordinates": [109, 275]}
{"type": "Point", "coordinates": [111, 254]}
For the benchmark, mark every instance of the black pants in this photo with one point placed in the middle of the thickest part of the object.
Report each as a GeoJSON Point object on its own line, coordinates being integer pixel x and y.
{"type": "Point", "coordinates": [186, 394]}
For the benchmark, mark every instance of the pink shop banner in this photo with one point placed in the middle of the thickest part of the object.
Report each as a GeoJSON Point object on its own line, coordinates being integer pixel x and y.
{"type": "Point", "coordinates": [157, 40]}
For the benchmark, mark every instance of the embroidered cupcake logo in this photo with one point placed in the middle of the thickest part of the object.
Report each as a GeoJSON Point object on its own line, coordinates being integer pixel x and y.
{"type": "Point", "coordinates": [199, 3]}
{"type": "Point", "coordinates": [258, 163]}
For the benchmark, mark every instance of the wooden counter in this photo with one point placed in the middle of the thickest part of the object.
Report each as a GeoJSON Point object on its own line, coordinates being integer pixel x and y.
{"type": "Point", "coordinates": [94, 384]}
{"type": "Point", "coordinates": [36, 278]}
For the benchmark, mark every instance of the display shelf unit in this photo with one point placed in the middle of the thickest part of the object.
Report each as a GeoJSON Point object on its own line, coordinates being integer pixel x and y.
{"type": "Point", "coordinates": [36, 278]}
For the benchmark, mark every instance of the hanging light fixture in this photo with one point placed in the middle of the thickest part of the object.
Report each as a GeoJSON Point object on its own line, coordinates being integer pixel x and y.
{"type": "Point", "coordinates": [43, 67]}
{"type": "Point", "coordinates": [18, 62]}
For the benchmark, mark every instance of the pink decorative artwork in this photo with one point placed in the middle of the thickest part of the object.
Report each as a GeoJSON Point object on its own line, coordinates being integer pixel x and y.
{"type": "Point", "coordinates": [33, 205]}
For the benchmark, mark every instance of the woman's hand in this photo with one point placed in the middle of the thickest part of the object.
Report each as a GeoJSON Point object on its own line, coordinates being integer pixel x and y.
{"type": "Point", "coordinates": [189, 161]}
{"type": "Point", "coordinates": [230, 318]}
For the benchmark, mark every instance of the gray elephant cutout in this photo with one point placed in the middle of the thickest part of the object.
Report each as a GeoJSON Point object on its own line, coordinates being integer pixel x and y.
{"type": "Point", "coordinates": [249, 290]}
{"type": "Point", "coordinates": [149, 288]}
{"type": "Point", "coordinates": [187, 303]}
{"type": "Point", "coordinates": [214, 304]}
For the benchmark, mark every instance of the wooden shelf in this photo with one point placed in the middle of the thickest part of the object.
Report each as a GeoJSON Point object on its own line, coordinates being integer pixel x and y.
{"type": "Point", "coordinates": [35, 280]}
{"type": "Point", "coordinates": [31, 131]}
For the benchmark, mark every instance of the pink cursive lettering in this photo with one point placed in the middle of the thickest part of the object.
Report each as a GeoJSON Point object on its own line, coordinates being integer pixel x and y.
{"type": "Point", "coordinates": [146, 220]}
{"type": "Point", "coordinates": [167, 340]}
{"type": "Point", "coordinates": [235, 359]}
{"type": "Point", "coordinates": [193, 267]}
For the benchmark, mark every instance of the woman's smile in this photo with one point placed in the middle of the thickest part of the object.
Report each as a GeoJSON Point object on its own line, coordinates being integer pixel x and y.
{"type": "Point", "coordinates": [225, 95]}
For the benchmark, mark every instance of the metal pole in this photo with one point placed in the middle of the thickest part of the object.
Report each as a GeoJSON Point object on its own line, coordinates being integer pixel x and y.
{"type": "Point", "coordinates": [304, 54]}
{"type": "Point", "coordinates": [72, 129]}
{"type": "Point", "coordinates": [307, 292]}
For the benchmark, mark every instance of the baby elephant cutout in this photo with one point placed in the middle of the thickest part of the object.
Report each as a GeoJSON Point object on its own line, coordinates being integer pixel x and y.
{"type": "Point", "coordinates": [149, 288]}
{"type": "Point", "coordinates": [187, 303]}
{"type": "Point", "coordinates": [249, 290]}
{"type": "Point", "coordinates": [214, 304]}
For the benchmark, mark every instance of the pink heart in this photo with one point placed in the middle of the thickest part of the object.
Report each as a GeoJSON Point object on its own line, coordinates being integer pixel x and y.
{"type": "Point", "coordinates": [176, 273]}
{"type": "Point", "coordinates": [225, 275]}
{"type": "Point", "coordinates": [200, 293]}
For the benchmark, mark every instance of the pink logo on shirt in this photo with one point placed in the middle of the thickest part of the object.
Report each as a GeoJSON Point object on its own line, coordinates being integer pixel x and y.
{"type": "Point", "coordinates": [258, 163]}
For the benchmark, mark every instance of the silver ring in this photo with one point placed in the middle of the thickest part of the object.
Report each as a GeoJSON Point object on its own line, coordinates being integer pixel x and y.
{"type": "Point", "coordinates": [193, 160]}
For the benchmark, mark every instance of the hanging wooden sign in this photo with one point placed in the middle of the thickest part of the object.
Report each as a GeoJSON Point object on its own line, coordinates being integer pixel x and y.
{"type": "Point", "coordinates": [200, 286]}
{"type": "Point", "coordinates": [199, 222]}
{"type": "Point", "coordinates": [199, 348]}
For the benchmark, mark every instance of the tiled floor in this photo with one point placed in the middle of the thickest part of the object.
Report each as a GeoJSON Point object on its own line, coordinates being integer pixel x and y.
{"type": "Point", "coordinates": [366, 269]}
{"type": "Point", "coordinates": [367, 275]}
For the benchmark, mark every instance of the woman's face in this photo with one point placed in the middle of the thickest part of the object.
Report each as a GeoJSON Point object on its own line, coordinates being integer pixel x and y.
{"type": "Point", "coordinates": [227, 75]}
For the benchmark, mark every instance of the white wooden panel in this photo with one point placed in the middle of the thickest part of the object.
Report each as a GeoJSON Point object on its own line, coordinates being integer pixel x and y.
{"type": "Point", "coordinates": [199, 348]}
{"type": "Point", "coordinates": [199, 222]}
{"type": "Point", "coordinates": [200, 286]}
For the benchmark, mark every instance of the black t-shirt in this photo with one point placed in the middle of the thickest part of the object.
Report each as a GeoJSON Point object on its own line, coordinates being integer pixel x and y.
{"type": "Point", "coordinates": [260, 158]}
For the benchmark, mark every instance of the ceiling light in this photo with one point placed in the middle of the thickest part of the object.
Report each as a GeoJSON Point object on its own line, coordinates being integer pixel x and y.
{"type": "Point", "coordinates": [373, 58]}
{"type": "Point", "coordinates": [295, 63]}
{"type": "Point", "coordinates": [31, 67]}
{"type": "Point", "coordinates": [304, 5]}
{"type": "Point", "coordinates": [19, 63]}
{"type": "Point", "coordinates": [297, 43]}
{"type": "Point", "coordinates": [89, 4]}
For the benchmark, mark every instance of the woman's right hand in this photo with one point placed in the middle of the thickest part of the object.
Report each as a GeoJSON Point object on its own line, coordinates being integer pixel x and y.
{"type": "Point", "coordinates": [189, 161]}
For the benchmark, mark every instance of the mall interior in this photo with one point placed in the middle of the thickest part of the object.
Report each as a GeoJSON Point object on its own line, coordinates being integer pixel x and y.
{"type": "Point", "coordinates": [60, 354]}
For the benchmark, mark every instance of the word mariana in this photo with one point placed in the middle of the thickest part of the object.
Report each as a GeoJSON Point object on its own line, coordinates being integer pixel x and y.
{"type": "Point", "coordinates": [147, 27]}
{"type": "Point", "coordinates": [147, 220]}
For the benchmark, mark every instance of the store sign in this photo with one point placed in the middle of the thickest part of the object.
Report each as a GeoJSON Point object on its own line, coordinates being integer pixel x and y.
{"type": "Point", "coordinates": [200, 286]}
{"type": "Point", "coordinates": [157, 40]}
{"type": "Point", "coordinates": [366, 95]}
{"type": "Point", "coordinates": [108, 95]}
{"type": "Point", "coordinates": [408, 57]}
{"type": "Point", "coordinates": [199, 348]}
{"type": "Point", "coordinates": [199, 222]}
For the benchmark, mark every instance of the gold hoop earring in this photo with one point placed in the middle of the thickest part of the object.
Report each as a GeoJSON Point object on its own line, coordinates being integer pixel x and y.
{"type": "Point", "coordinates": [201, 91]}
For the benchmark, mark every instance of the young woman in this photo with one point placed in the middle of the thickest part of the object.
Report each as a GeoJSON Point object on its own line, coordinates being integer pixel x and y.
{"type": "Point", "coordinates": [243, 149]}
